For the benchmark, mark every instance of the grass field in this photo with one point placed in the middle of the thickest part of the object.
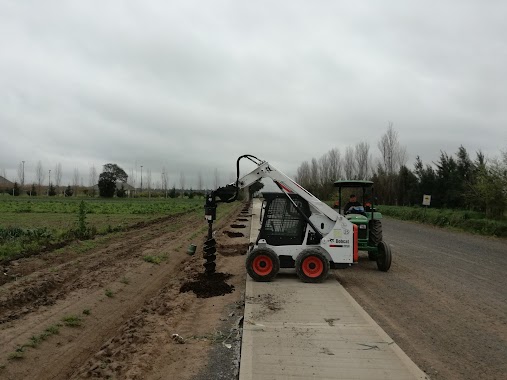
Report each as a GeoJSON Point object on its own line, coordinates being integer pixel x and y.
{"type": "Point", "coordinates": [27, 224]}
{"type": "Point", "coordinates": [461, 219]}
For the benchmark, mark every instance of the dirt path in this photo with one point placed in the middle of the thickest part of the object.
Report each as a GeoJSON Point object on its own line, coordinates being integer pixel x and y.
{"type": "Point", "coordinates": [124, 295]}
{"type": "Point", "coordinates": [444, 301]}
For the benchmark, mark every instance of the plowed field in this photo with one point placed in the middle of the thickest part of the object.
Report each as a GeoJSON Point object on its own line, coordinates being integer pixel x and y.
{"type": "Point", "coordinates": [110, 308]}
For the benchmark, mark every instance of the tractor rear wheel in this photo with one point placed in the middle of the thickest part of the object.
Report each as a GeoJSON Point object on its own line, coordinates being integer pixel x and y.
{"type": "Point", "coordinates": [262, 264]}
{"type": "Point", "coordinates": [312, 265]}
{"type": "Point", "coordinates": [375, 232]}
{"type": "Point", "coordinates": [384, 257]}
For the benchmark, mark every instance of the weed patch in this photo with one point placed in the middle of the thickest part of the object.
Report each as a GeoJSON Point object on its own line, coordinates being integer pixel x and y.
{"type": "Point", "coordinates": [155, 259]}
{"type": "Point", "coordinates": [461, 219]}
{"type": "Point", "coordinates": [72, 321]}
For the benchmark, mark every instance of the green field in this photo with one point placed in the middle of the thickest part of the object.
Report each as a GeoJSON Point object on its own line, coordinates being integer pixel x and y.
{"type": "Point", "coordinates": [27, 224]}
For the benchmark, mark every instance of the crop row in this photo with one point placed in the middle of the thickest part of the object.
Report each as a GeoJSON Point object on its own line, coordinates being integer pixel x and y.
{"type": "Point", "coordinates": [128, 206]}
{"type": "Point", "coordinates": [461, 219]}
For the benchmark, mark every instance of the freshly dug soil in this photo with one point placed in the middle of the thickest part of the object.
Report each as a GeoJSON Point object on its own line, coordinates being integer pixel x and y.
{"type": "Point", "coordinates": [119, 332]}
{"type": "Point", "coordinates": [205, 286]}
{"type": "Point", "coordinates": [232, 249]}
{"type": "Point", "coordinates": [238, 226]}
{"type": "Point", "coordinates": [233, 234]}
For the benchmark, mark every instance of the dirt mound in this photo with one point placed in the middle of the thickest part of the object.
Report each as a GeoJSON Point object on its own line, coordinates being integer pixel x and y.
{"type": "Point", "coordinates": [208, 286]}
{"type": "Point", "coordinates": [232, 234]}
{"type": "Point", "coordinates": [234, 225]}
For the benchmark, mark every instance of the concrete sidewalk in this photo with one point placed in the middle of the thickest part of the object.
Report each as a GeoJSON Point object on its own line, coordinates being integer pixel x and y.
{"type": "Point", "coordinates": [294, 330]}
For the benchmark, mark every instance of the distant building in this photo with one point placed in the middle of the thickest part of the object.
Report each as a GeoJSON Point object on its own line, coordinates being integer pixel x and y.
{"type": "Point", "coordinates": [5, 184]}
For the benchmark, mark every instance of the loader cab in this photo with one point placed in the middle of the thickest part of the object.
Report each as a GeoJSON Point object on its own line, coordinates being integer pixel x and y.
{"type": "Point", "coordinates": [281, 223]}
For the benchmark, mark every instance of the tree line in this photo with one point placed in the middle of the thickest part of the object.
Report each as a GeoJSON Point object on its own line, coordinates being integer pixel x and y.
{"type": "Point", "coordinates": [453, 181]}
{"type": "Point", "coordinates": [49, 182]}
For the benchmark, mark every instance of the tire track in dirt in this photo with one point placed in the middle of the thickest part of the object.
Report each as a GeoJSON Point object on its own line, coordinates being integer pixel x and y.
{"type": "Point", "coordinates": [151, 289]}
{"type": "Point", "coordinates": [443, 301]}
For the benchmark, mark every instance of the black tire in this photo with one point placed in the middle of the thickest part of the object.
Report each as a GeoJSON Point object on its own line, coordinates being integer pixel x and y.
{"type": "Point", "coordinates": [384, 257]}
{"type": "Point", "coordinates": [312, 265]}
{"type": "Point", "coordinates": [262, 264]}
{"type": "Point", "coordinates": [372, 256]}
{"type": "Point", "coordinates": [375, 232]}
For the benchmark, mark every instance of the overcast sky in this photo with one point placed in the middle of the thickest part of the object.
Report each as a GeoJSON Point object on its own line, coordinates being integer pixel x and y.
{"type": "Point", "coordinates": [191, 85]}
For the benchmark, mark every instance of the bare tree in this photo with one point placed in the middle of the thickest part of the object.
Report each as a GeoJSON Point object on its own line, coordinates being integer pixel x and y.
{"type": "Point", "coordinates": [363, 159]}
{"type": "Point", "coordinates": [58, 176]}
{"type": "Point", "coordinates": [75, 180]}
{"type": "Point", "coordinates": [40, 175]}
{"type": "Point", "coordinates": [216, 179]}
{"type": "Point", "coordinates": [314, 170]}
{"type": "Point", "coordinates": [132, 178]}
{"type": "Point", "coordinates": [148, 182]}
{"type": "Point", "coordinates": [349, 165]}
{"type": "Point", "coordinates": [324, 176]}
{"type": "Point", "coordinates": [21, 178]}
{"type": "Point", "coordinates": [335, 164]}
{"type": "Point", "coordinates": [182, 182]}
{"type": "Point", "coordinates": [199, 182]}
{"type": "Point", "coordinates": [303, 175]}
{"type": "Point", "coordinates": [3, 173]}
{"type": "Point", "coordinates": [92, 180]}
{"type": "Point", "coordinates": [393, 155]}
{"type": "Point", "coordinates": [165, 180]}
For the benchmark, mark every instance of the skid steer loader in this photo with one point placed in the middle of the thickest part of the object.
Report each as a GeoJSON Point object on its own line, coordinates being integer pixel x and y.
{"type": "Point", "coordinates": [297, 231]}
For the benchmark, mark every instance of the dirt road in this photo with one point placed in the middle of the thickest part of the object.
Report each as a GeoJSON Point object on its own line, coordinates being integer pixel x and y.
{"type": "Point", "coordinates": [444, 301]}
{"type": "Point", "coordinates": [109, 308]}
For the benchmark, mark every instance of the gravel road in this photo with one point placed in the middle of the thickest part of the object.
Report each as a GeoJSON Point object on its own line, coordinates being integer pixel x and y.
{"type": "Point", "coordinates": [444, 301]}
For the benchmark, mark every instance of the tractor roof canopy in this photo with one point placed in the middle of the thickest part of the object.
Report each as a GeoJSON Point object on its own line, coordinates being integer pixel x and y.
{"type": "Point", "coordinates": [353, 183]}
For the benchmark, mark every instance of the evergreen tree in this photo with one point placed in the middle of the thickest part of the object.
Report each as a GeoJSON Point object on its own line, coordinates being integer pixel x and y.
{"type": "Point", "coordinates": [68, 191]}
{"type": "Point", "coordinates": [107, 179]}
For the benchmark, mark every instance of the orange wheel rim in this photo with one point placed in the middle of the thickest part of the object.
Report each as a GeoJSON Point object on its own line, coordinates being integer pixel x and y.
{"type": "Point", "coordinates": [312, 266]}
{"type": "Point", "coordinates": [262, 265]}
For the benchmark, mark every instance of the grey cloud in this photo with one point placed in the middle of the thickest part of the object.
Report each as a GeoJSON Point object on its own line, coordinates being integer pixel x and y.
{"type": "Point", "coordinates": [191, 85]}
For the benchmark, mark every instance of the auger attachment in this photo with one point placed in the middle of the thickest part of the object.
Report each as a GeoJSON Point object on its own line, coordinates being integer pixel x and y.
{"type": "Point", "coordinates": [210, 212]}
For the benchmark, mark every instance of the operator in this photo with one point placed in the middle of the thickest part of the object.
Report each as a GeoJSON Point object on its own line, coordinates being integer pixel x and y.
{"type": "Point", "coordinates": [351, 203]}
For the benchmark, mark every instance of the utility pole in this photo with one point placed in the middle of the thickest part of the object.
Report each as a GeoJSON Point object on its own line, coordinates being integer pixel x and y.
{"type": "Point", "coordinates": [49, 181]}
{"type": "Point", "coordinates": [141, 178]}
{"type": "Point", "coordinates": [23, 176]}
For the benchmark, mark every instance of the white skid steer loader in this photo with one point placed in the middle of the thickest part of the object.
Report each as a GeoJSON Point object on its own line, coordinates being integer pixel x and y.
{"type": "Point", "coordinates": [297, 231]}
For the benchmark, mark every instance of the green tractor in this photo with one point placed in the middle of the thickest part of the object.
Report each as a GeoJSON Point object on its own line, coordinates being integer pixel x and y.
{"type": "Point", "coordinates": [368, 221]}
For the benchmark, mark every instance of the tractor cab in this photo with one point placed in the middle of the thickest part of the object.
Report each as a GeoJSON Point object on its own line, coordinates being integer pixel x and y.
{"type": "Point", "coordinates": [367, 219]}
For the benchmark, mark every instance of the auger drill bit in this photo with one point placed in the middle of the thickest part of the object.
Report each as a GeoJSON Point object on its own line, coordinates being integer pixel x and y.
{"type": "Point", "coordinates": [210, 211]}
{"type": "Point", "coordinates": [210, 257]}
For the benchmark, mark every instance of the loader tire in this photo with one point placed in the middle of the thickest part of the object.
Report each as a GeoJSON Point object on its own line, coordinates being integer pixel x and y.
{"type": "Point", "coordinates": [262, 264]}
{"type": "Point", "coordinates": [312, 265]}
{"type": "Point", "coordinates": [384, 257]}
{"type": "Point", "coordinates": [375, 232]}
